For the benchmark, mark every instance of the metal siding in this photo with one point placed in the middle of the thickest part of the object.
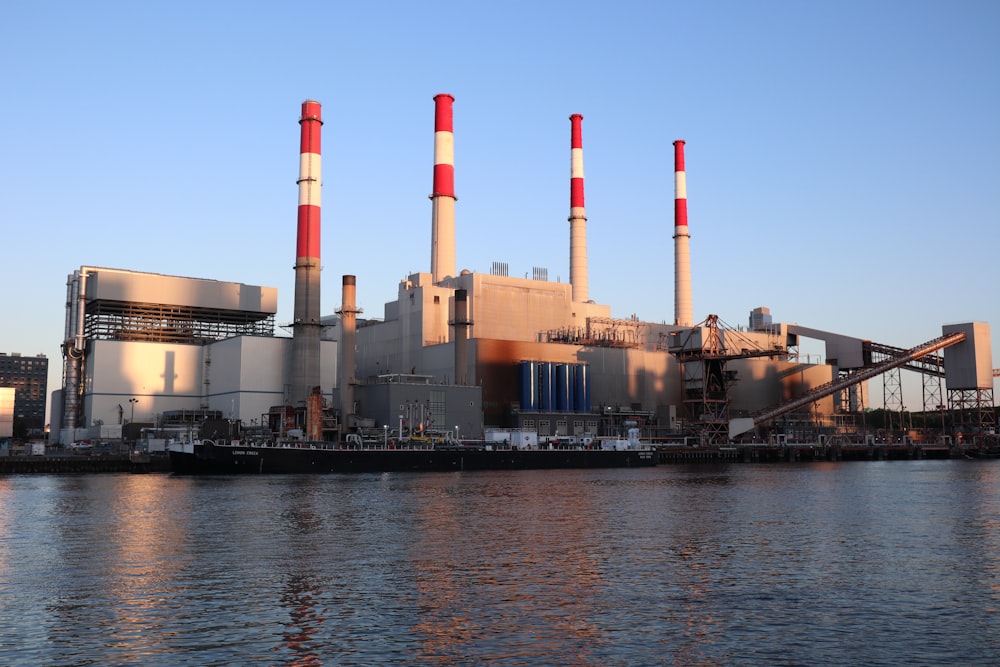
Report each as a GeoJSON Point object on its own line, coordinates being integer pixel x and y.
{"type": "Point", "coordinates": [969, 364]}
{"type": "Point", "coordinates": [129, 286]}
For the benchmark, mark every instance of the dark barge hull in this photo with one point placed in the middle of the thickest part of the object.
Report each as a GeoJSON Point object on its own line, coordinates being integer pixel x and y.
{"type": "Point", "coordinates": [210, 459]}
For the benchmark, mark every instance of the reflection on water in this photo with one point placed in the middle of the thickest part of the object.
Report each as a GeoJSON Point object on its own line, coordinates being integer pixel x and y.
{"type": "Point", "coordinates": [533, 587]}
{"type": "Point", "coordinates": [780, 564]}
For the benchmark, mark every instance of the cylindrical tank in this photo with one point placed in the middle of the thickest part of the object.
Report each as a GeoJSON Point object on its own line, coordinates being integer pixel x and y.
{"type": "Point", "coordinates": [581, 382]}
{"type": "Point", "coordinates": [545, 389]}
{"type": "Point", "coordinates": [564, 400]}
{"type": "Point", "coordinates": [529, 386]}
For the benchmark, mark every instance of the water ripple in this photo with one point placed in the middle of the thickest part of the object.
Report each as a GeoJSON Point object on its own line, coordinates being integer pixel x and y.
{"type": "Point", "coordinates": [876, 564]}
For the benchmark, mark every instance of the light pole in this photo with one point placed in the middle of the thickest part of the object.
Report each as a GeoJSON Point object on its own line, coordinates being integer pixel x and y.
{"type": "Point", "coordinates": [131, 419]}
{"type": "Point", "coordinates": [385, 435]}
{"type": "Point", "coordinates": [456, 432]}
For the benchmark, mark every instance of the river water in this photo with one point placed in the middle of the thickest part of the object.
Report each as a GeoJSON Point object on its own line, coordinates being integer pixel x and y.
{"type": "Point", "coordinates": [869, 563]}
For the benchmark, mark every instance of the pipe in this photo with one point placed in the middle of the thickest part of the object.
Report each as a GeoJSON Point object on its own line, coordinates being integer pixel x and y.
{"type": "Point", "coordinates": [443, 195]}
{"type": "Point", "coordinates": [577, 216]}
{"type": "Point", "coordinates": [74, 348]}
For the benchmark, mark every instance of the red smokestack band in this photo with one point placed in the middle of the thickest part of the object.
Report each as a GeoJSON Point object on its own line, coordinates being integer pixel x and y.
{"type": "Point", "coordinates": [444, 147]}
{"type": "Point", "coordinates": [310, 130]}
{"type": "Point", "coordinates": [308, 240]}
{"type": "Point", "coordinates": [576, 166]}
{"type": "Point", "coordinates": [680, 186]}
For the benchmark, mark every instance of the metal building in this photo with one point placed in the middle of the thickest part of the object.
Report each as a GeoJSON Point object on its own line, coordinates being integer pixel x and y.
{"type": "Point", "coordinates": [138, 345]}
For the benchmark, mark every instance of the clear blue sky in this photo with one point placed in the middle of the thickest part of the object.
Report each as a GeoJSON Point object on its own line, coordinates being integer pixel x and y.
{"type": "Point", "coordinates": [843, 158]}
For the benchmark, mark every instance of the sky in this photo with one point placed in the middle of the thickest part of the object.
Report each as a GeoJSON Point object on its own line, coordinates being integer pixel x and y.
{"type": "Point", "coordinates": [843, 158]}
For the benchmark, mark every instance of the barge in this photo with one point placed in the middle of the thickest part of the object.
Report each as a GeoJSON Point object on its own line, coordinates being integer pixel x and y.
{"type": "Point", "coordinates": [235, 458]}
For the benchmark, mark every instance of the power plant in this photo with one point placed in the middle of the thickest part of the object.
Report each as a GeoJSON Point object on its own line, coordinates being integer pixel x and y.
{"type": "Point", "coordinates": [460, 351]}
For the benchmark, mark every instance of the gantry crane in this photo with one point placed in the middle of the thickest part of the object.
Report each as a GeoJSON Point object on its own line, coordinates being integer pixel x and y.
{"type": "Point", "coordinates": [704, 351]}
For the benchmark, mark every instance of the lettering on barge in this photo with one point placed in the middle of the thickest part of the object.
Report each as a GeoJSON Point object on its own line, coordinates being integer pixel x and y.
{"type": "Point", "coordinates": [245, 452]}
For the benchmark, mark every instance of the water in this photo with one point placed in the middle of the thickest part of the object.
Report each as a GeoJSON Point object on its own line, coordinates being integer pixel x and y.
{"type": "Point", "coordinates": [803, 564]}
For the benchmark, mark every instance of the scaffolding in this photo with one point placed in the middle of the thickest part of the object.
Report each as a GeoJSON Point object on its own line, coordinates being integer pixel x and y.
{"type": "Point", "coordinates": [163, 323]}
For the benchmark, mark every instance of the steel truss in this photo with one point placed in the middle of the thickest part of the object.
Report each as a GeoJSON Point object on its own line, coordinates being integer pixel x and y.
{"type": "Point", "coordinates": [163, 323]}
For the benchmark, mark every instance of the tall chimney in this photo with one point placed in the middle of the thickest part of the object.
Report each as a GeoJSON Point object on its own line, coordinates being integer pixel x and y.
{"type": "Point", "coordinates": [682, 251]}
{"type": "Point", "coordinates": [306, 326]}
{"type": "Point", "coordinates": [462, 324]}
{"type": "Point", "coordinates": [443, 196]}
{"type": "Point", "coordinates": [348, 321]}
{"type": "Point", "coordinates": [577, 217]}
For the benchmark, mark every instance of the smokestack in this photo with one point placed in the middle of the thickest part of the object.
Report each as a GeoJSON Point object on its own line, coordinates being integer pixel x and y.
{"type": "Point", "coordinates": [577, 217]}
{"type": "Point", "coordinates": [348, 320]}
{"type": "Point", "coordinates": [306, 327]}
{"type": "Point", "coordinates": [443, 196]}
{"type": "Point", "coordinates": [682, 251]}
{"type": "Point", "coordinates": [462, 324]}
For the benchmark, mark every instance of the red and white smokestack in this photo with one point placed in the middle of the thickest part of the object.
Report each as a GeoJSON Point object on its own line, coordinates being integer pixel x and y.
{"type": "Point", "coordinates": [443, 196]}
{"type": "Point", "coordinates": [682, 252]}
{"type": "Point", "coordinates": [306, 326]}
{"type": "Point", "coordinates": [577, 216]}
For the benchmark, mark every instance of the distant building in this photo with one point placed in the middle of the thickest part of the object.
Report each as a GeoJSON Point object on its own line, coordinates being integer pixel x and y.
{"type": "Point", "coordinates": [760, 319]}
{"type": "Point", "coordinates": [6, 416]}
{"type": "Point", "coordinates": [28, 376]}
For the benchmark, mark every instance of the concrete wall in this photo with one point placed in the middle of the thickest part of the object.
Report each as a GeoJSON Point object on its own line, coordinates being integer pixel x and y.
{"type": "Point", "coordinates": [161, 376]}
{"type": "Point", "coordinates": [245, 377]}
{"type": "Point", "coordinates": [762, 383]}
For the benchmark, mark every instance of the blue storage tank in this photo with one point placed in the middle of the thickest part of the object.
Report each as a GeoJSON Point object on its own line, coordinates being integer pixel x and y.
{"type": "Point", "coordinates": [581, 395]}
{"type": "Point", "coordinates": [529, 386]}
{"type": "Point", "coordinates": [562, 388]}
{"type": "Point", "coordinates": [545, 388]}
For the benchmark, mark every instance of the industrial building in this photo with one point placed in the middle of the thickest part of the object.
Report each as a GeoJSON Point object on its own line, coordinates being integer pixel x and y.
{"type": "Point", "coordinates": [464, 351]}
